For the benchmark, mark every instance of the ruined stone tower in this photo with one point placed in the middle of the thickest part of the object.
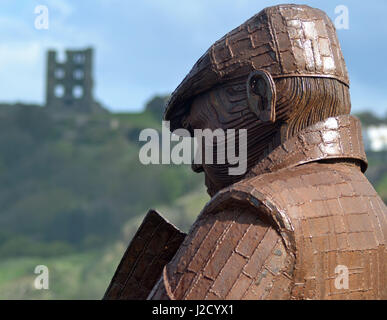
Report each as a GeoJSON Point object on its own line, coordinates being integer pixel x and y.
{"type": "Point", "coordinates": [70, 83]}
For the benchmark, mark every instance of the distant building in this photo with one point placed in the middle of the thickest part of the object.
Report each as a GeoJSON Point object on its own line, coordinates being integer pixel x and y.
{"type": "Point", "coordinates": [69, 84]}
{"type": "Point", "coordinates": [375, 138]}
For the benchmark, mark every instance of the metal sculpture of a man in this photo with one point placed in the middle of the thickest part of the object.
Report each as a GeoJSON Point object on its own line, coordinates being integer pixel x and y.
{"type": "Point", "coordinates": [304, 207]}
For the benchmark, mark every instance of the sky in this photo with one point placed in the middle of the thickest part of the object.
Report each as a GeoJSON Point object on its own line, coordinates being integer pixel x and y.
{"type": "Point", "coordinates": [146, 47]}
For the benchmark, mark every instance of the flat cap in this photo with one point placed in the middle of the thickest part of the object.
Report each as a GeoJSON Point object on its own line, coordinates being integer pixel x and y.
{"type": "Point", "coordinates": [285, 40]}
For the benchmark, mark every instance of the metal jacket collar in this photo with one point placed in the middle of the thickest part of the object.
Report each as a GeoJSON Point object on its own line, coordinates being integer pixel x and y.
{"type": "Point", "coordinates": [334, 138]}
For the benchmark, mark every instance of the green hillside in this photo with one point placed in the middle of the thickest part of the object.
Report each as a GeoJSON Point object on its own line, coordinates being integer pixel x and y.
{"type": "Point", "coordinates": [69, 184]}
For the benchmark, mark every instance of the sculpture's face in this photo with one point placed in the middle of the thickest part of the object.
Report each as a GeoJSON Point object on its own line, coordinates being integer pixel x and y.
{"type": "Point", "coordinates": [204, 115]}
{"type": "Point", "coordinates": [225, 107]}
{"type": "Point", "coordinates": [222, 107]}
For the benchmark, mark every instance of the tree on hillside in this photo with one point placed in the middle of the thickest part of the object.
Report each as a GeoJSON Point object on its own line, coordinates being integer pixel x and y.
{"type": "Point", "coordinates": [156, 105]}
{"type": "Point", "coordinates": [368, 118]}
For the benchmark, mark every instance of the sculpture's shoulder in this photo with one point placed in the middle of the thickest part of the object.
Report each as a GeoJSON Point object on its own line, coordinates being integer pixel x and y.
{"type": "Point", "coordinates": [260, 196]}
{"type": "Point", "coordinates": [329, 214]}
{"type": "Point", "coordinates": [307, 191]}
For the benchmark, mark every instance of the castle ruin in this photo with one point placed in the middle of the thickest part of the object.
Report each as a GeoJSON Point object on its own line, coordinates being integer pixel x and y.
{"type": "Point", "coordinates": [69, 84]}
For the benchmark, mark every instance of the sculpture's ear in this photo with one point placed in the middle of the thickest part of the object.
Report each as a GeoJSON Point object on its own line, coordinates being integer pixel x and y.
{"type": "Point", "coordinates": [261, 95]}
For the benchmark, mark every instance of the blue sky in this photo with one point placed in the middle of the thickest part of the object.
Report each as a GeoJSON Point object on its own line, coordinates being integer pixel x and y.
{"type": "Point", "coordinates": [147, 47]}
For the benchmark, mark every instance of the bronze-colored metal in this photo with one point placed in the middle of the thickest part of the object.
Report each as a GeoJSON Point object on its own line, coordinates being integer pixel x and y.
{"type": "Point", "coordinates": [304, 211]}
{"type": "Point", "coordinates": [260, 84]}
{"type": "Point", "coordinates": [153, 246]}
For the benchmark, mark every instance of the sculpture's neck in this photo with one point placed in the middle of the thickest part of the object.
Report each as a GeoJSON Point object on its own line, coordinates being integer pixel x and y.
{"type": "Point", "coordinates": [334, 138]}
{"type": "Point", "coordinates": [337, 138]}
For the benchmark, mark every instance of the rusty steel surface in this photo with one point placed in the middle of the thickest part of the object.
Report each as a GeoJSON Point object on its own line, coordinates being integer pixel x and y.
{"type": "Point", "coordinates": [154, 244]}
{"type": "Point", "coordinates": [304, 207]}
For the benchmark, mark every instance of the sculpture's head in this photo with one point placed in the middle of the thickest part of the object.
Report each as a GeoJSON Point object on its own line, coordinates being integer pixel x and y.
{"type": "Point", "coordinates": [276, 74]}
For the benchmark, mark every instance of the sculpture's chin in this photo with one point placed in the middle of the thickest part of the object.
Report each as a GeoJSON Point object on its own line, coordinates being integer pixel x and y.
{"type": "Point", "coordinates": [216, 181]}
{"type": "Point", "coordinates": [211, 189]}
